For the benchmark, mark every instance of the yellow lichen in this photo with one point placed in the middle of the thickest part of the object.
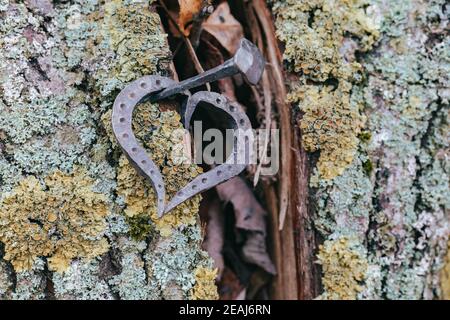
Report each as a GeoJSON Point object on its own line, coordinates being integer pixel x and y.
{"type": "Point", "coordinates": [205, 287]}
{"type": "Point", "coordinates": [61, 218]}
{"type": "Point", "coordinates": [445, 277]}
{"type": "Point", "coordinates": [314, 34]}
{"type": "Point", "coordinates": [343, 269]}
{"type": "Point", "coordinates": [133, 32]}
{"type": "Point", "coordinates": [157, 132]}
{"type": "Point", "coordinates": [331, 126]}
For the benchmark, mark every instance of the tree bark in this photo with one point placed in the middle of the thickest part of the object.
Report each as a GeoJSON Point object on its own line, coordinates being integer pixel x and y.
{"type": "Point", "coordinates": [77, 221]}
{"type": "Point", "coordinates": [360, 209]}
{"type": "Point", "coordinates": [368, 83]}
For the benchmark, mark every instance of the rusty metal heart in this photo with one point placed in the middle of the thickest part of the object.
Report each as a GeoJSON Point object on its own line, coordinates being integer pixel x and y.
{"type": "Point", "coordinates": [139, 91]}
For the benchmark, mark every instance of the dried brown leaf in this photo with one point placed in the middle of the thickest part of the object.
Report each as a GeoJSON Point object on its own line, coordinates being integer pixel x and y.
{"type": "Point", "coordinates": [249, 213]}
{"type": "Point", "coordinates": [224, 27]}
{"type": "Point", "coordinates": [250, 217]}
{"type": "Point", "coordinates": [241, 295]}
{"type": "Point", "coordinates": [255, 251]}
{"type": "Point", "coordinates": [230, 287]}
{"type": "Point", "coordinates": [188, 9]}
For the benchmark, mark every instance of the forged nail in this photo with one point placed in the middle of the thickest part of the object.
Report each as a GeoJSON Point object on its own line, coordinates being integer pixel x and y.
{"type": "Point", "coordinates": [247, 61]}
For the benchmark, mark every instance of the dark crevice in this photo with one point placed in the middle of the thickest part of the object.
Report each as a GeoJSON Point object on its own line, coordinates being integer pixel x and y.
{"type": "Point", "coordinates": [419, 204]}
{"type": "Point", "coordinates": [311, 15]}
{"type": "Point", "coordinates": [49, 290]}
{"type": "Point", "coordinates": [109, 267]}
{"type": "Point", "coordinates": [36, 221]}
{"type": "Point", "coordinates": [84, 84]}
{"type": "Point", "coordinates": [331, 81]}
{"type": "Point", "coordinates": [34, 64]}
{"type": "Point", "coordinates": [45, 21]}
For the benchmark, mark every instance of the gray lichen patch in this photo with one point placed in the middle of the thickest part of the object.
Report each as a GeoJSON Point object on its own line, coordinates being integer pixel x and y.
{"type": "Point", "coordinates": [407, 108]}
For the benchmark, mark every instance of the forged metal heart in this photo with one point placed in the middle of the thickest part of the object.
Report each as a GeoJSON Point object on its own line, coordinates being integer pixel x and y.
{"type": "Point", "coordinates": [133, 94]}
{"type": "Point", "coordinates": [229, 168]}
{"type": "Point", "coordinates": [139, 91]}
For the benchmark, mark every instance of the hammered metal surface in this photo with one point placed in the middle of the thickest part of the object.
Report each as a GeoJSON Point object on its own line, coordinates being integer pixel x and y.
{"type": "Point", "coordinates": [133, 94]}
{"type": "Point", "coordinates": [229, 168]}
{"type": "Point", "coordinates": [248, 61]}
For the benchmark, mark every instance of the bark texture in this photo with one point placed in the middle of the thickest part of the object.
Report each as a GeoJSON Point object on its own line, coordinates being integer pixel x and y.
{"type": "Point", "coordinates": [76, 220]}
{"type": "Point", "coordinates": [370, 83]}
{"type": "Point", "coordinates": [368, 87]}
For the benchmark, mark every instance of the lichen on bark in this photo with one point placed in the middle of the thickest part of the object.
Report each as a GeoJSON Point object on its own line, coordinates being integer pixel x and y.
{"type": "Point", "coordinates": [344, 269]}
{"type": "Point", "coordinates": [61, 219]}
{"type": "Point", "coordinates": [386, 185]}
{"type": "Point", "coordinates": [62, 64]}
{"type": "Point", "coordinates": [321, 38]}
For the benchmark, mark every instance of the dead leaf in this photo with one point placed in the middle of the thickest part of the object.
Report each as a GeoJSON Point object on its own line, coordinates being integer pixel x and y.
{"type": "Point", "coordinates": [214, 239]}
{"type": "Point", "coordinates": [188, 9]}
{"type": "Point", "coordinates": [255, 251]}
{"type": "Point", "coordinates": [230, 287]}
{"type": "Point", "coordinates": [241, 295]}
{"type": "Point", "coordinates": [250, 216]}
{"type": "Point", "coordinates": [224, 27]}
{"type": "Point", "coordinates": [257, 287]}
{"type": "Point", "coordinates": [249, 213]}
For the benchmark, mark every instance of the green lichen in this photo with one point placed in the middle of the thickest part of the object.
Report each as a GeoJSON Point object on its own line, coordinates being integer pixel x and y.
{"type": "Point", "coordinates": [140, 226]}
{"type": "Point", "coordinates": [172, 262]}
{"type": "Point", "coordinates": [61, 69]}
{"type": "Point", "coordinates": [321, 38]}
{"type": "Point", "coordinates": [132, 283]}
{"type": "Point", "coordinates": [344, 205]}
{"type": "Point", "coordinates": [30, 285]}
{"type": "Point", "coordinates": [205, 287]}
{"type": "Point", "coordinates": [365, 136]}
{"type": "Point", "coordinates": [387, 182]}
{"type": "Point", "coordinates": [81, 281]}
{"type": "Point", "coordinates": [46, 123]}
{"type": "Point", "coordinates": [133, 32]}
{"type": "Point", "coordinates": [344, 269]}
{"type": "Point", "coordinates": [5, 281]}
{"type": "Point", "coordinates": [408, 117]}
{"type": "Point", "coordinates": [367, 167]}
{"type": "Point", "coordinates": [62, 219]}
